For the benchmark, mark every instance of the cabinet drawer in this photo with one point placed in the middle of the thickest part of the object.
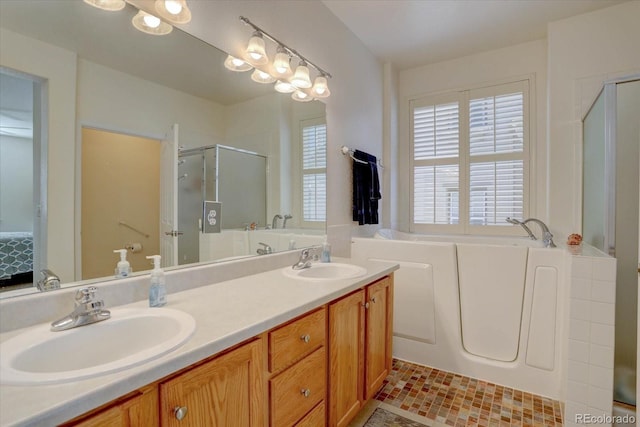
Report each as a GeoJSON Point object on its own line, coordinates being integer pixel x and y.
{"type": "Point", "coordinates": [298, 389]}
{"type": "Point", "coordinates": [297, 339]}
{"type": "Point", "coordinates": [315, 418]}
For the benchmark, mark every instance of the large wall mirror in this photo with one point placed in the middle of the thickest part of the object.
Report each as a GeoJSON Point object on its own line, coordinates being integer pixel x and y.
{"type": "Point", "coordinates": [89, 103]}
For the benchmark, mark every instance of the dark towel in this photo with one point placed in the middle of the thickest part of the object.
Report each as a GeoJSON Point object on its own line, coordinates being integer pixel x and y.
{"type": "Point", "coordinates": [366, 188]}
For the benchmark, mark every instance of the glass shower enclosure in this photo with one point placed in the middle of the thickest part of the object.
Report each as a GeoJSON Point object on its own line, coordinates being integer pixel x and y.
{"type": "Point", "coordinates": [611, 158]}
{"type": "Point", "coordinates": [235, 177]}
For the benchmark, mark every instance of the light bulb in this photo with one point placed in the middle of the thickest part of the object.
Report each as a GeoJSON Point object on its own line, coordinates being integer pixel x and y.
{"type": "Point", "coordinates": [173, 11]}
{"type": "Point", "coordinates": [173, 7]}
{"type": "Point", "coordinates": [150, 24]}
{"type": "Point", "coordinates": [236, 64]}
{"type": "Point", "coordinates": [151, 21]}
{"type": "Point", "coordinates": [284, 87]}
{"type": "Point", "coordinates": [301, 96]}
{"type": "Point", "coordinates": [260, 76]}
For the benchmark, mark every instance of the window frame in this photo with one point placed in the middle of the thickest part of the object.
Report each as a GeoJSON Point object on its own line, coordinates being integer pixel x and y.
{"type": "Point", "coordinates": [464, 160]}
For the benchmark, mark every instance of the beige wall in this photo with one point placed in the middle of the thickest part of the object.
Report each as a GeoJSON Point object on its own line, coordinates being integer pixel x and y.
{"type": "Point", "coordinates": [120, 182]}
{"type": "Point", "coordinates": [584, 51]}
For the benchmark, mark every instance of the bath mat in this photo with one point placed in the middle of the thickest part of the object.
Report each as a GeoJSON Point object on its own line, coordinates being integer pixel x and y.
{"type": "Point", "coordinates": [384, 418]}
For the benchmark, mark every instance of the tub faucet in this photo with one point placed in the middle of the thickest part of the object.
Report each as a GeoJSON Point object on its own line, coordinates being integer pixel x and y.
{"type": "Point", "coordinates": [87, 310]}
{"type": "Point", "coordinates": [49, 281]}
{"type": "Point", "coordinates": [547, 237]}
{"type": "Point", "coordinates": [274, 222]}
{"type": "Point", "coordinates": [286, 217]}
{"type": "Point", "coordinates": [523, 225]}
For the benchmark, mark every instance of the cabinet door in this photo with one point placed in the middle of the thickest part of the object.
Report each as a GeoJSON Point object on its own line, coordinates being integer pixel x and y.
{"type": "Point", "coordinates": [379, 319]}
{"type": "Point", "coordinates": [346, 358]}
{"type": "Point", "coordinates": [227, 391]}
{"type": "Point", "coordinates": [138, 411]}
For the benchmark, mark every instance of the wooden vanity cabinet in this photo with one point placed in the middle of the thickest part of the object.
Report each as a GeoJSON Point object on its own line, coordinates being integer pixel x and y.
{"type": "Point", "coordinates": [226, 391]}
{"type": "Point", "coordinates": [360, 333]}
{"type": "Point", "coordinates": [316, 370]}
{"type": "Point", "coordinates": [138, 409]}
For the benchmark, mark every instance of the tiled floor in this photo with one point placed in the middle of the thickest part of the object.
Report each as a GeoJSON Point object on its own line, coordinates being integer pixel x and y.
{"type": "Point", "coordinates": [450, 399]}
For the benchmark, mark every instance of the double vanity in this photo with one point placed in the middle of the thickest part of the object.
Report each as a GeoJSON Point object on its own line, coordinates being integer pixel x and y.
{"type": "Point", "coordinates": [281, 347]}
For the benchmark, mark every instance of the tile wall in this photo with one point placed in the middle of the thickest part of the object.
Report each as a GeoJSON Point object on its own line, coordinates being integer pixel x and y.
{"type": "Point", "coordinates": [591, 336]}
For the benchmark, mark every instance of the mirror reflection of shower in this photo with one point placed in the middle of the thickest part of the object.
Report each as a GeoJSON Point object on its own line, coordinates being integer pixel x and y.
{"type": "Point", "coordinates": [237, 178]}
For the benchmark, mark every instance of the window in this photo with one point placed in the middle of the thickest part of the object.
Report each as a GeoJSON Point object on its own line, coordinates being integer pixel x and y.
{"type": "Point", "coordinates": [469, 153]}
{"type": "Point", "coordinates": [314, 170]}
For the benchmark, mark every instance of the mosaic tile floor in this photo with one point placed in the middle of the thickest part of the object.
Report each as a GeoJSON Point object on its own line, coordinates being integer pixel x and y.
{"type": "Point", "coordinates": [451, 399]}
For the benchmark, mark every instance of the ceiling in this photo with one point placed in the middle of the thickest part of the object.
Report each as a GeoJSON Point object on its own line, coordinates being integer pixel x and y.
{"type": "Point", "coordinates": [409, 33]}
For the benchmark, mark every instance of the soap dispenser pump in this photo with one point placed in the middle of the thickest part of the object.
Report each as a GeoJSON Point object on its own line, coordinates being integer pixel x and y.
{"type": "Point", "coordinates": [123, 268]}
{"type": "Point", "coordinates": [157, 292]}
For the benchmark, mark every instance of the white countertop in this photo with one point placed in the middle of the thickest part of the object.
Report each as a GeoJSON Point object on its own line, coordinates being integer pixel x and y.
{"type": "Point", "coordinates": [226, 314]}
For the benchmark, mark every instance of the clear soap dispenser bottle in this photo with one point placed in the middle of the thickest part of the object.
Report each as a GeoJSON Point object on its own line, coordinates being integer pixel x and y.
{"type": "Point", "coordinates": [123, 268]}
{"type": "Point", "coordinates": [157, 291]}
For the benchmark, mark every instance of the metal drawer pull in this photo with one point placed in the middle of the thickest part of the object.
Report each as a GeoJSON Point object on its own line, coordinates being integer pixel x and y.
{"type": "Point", "coordinates": [365, 304]}
{"type": "Point", "coordinates": [306, 337]}
{"type": "Point", "coordinates": [305, 392]}
{"type": "Point", "coordinates": [180, 412]}
{"type": "Point", "coordinates": [373, 300]}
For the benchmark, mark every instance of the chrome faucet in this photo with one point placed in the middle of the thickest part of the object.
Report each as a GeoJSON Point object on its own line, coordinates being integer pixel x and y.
{"type": "Point", "coordinates": [264, 250]}
{"type": "Point", "coordinates": [274, 222]}
{"type": "Point", "coordinates": [286, 217]}
{"type": "Point", "coordinates": [87, 310]}
{"type": "Point", "coordinates": [48, 281]}
{"type": "Point", "coordinates": [547, 237]}
{"type": "Point", "coordinates": [305, 260]}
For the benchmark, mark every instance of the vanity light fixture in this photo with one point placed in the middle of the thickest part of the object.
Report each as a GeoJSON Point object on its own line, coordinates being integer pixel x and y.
{"type": "Point", "coordinates": [236, 64]}
{"type": "Point", "coordinates": [108, 5]}
{"type": "Point", "coordinates": [320, 87]}
{"type": "Point", "coordinates": [256, 51]}
{"type": "Point", "coordinates": [283, 86]}
{"type": "Point", "coordinates": [173, 11]}
{"type": "Point", "coordinates": [301, 96]}
{"type": "Point", "coordinates": [299, 84]}
{"type": "Point", "coordinates": [301, 78]}
{"type": "Point", "coordinates": [150, 24]}
{"type": "Point", "coordinates": [282, 62]}
{"type": "Point", "coordinates": [260, 76]}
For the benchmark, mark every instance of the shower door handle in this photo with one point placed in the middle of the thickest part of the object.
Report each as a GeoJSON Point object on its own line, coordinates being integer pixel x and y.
{"type": "Point", "coordinates": [174, 233]}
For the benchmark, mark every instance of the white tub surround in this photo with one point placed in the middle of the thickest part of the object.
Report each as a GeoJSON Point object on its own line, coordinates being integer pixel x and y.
{"type": "Point", "coordinates": [484, 307]}
{"type": "Point", "coordinates": [227, 312]}
{"type": "Point", "coordinates": [591, 336]}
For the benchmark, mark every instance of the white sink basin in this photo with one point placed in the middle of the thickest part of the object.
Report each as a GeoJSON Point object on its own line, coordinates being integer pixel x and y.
{"type": "Point", "coordinates": [130, 337]}
{"type": "Point", "coordinates": [326, 271]}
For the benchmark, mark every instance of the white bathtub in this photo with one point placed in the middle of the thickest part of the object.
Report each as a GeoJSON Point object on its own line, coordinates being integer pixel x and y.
{"type": "Point", "coordinates": [486, 307]}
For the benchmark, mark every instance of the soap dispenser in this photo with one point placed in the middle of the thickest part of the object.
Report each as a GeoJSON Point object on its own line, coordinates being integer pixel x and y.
{"type": "Point", "coordinates": [157, 292]}
{"type": "Point", "coordinates": [123, 269]}
{"type": "Point", "coordinates": [326, 252]}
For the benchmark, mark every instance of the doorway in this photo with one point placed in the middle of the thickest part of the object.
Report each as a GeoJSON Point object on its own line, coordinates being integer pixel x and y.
{"type": "Point", "coordinates": [23, 178]}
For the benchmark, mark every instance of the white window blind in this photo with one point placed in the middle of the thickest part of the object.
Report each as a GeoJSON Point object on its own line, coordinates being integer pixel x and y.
{"type": "Point", "coordinates": [469, 158]}
{"type": "Point", "coordinates": [314, 172]}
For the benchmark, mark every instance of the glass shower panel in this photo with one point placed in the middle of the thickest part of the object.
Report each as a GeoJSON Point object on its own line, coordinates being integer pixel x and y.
{"type": "Point", "coordinates": [594, 203]}
{"type": "Point", "coordinates": [190, 180]}
{"type": "Point", "coordinates": [242, 184]}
